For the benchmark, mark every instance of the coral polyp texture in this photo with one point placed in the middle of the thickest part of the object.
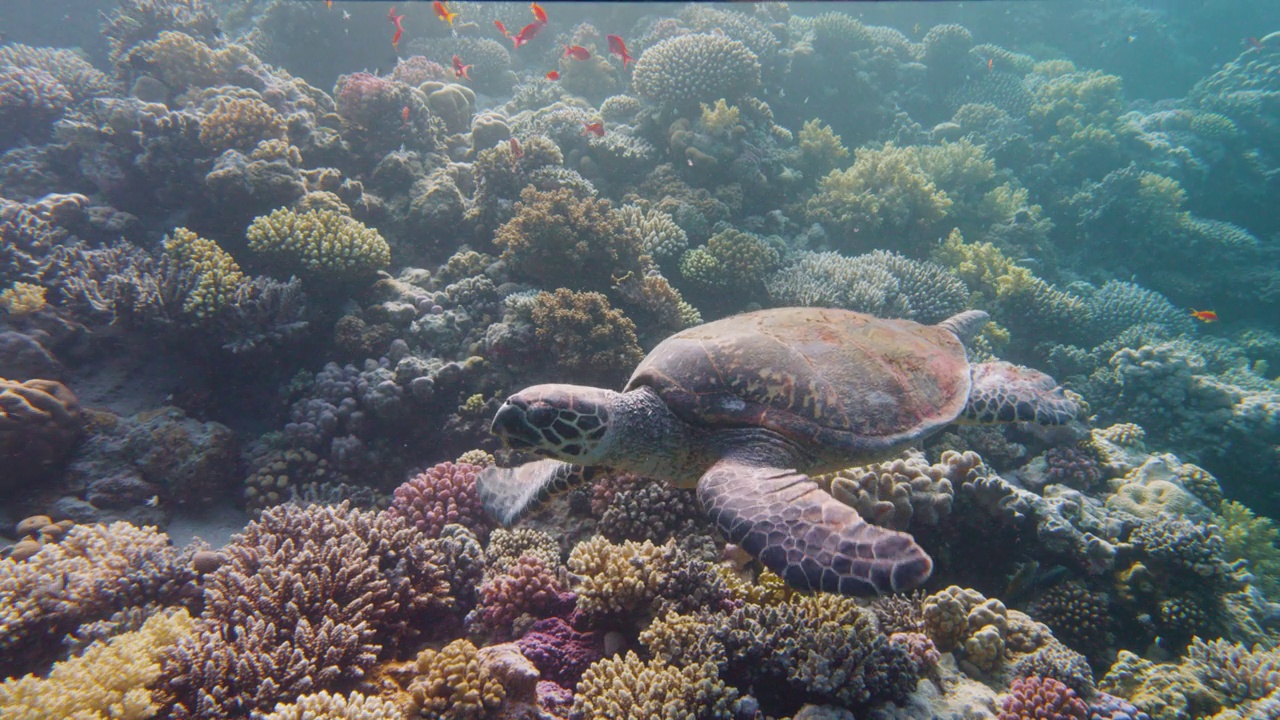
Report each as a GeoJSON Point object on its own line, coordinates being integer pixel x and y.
{"type": "Point", "coordinates": [277, 280]}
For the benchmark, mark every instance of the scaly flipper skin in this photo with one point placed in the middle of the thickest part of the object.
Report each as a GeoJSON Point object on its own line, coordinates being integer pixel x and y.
{"type": "Point", "coordinates": [509, 493]}
{"type": "Point", "coordinates": [1003, 392]}
{"type": "Point", "coordinates": [810, 539]}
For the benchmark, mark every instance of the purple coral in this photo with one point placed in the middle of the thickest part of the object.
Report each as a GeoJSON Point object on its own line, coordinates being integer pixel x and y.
{"type": "Point", "coordinates": [560, 653]}
{"type": "Point", "coordinates": [1041, 698]}
{"type": "Point", "coordinates": [1110, 707]}
{"type": "Point", "coordinates": [1072, 467]}
{"type": "Point", "coordinates": [441, 495]}
{"type": "Point", "coordinates": [30, 100]}
{"type": "Point", "coordinates": [530, 587]}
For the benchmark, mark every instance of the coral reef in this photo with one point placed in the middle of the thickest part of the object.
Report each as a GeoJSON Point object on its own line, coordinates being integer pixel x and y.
{"type": "Point", "coordinates": [685, 71]}
{"type": "Point", "coordinates": [320, 245]}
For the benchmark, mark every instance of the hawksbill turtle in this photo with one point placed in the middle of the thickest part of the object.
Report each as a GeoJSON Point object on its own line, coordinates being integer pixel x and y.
{"type": "Point", "coordinates": [746, 408]}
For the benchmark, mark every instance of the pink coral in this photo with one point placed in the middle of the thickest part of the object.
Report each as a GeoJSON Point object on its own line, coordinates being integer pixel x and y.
{"type": "Point", "coordinates": [530, 587]}
{"type": "Point", "coordinates": [920, 648]}
{"type": "Point", "coordinates": [1043, 699]}
{"type": "Point", "coordinates": [561, 653]}
{"type": "Point", "coordinates": [441, 495]}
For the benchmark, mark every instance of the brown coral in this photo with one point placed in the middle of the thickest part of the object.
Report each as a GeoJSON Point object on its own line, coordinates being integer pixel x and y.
{"type": "Point", "coordinates": [39, 424]}
{"type": "Point", "coordinates": [454, 683]}
{"type": "Point", "coordinates": [240, 124]}
{"type": "Point", "coordinates": [588, 340]}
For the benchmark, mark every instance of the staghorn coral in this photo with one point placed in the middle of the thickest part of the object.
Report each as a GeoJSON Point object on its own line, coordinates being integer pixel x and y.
{"type": "Point", "coordinates": [557, 238]}
{"type": "Point", "coordinates": [901, 492]}
{"type": "Point", "coordinates": [40, 423]}
{"type": "Point", "coordinates": [627, 688]}
{"type": "Point", "coordinates": [326, 706]}
{"type": "Point", "coordinates": [1041, 699]}
{"type": "Point", "coordinates": [587, 339]}
{"type": "Point", "coordinates": [92, 572]}
{"type": "Point", "coordinates": [214, 275]}
{"type": "Point", "coordinates": [453, 683]}
{"type": "Point", "coordinates": [108, 680]}
{"type": "Point", "coordinates": [682, 72]}
{"type": "Point", "coordinates": [886, 197]}
{"type": "Point", "coordinates": [319, 245]}
{"type": "Point", "coordinates": [307, 598]}
{"type": "Point", "coordinates": [441, 495]}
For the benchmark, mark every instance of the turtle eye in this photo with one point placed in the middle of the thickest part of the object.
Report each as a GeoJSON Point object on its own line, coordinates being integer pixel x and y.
{"type": "Point", "coordinates": [541, 415]}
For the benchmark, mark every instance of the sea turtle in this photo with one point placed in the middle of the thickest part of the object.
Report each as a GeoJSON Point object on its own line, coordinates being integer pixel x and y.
{"type": "Point", "coordinates": [745, 408]}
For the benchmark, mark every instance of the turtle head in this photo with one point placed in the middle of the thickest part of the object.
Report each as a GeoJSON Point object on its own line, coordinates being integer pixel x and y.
{"type": "Point", "coordinates": [565, 422]}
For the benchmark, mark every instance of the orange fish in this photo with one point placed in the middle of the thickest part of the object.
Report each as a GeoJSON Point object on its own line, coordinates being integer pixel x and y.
{"type": "Point", "coordinates": [577, 52]}
{"type": "Point", "coordinates": [442, 12]}
{"type": "Point", "coordinates": [405, 114]}
{"type": "Point", "coordinates": [460, 70]}
{"type": "Point", "coordinates": [553, 75]}
{"type": "Point", "coordinates": [538, 13]}
{"type": "Point", "coordinates": [395, 20]}
{"type": "Point", "coordinates": [990, 63]}
{"type": "Point", "coordinates": [501, 28]}
{"type": "Point", "coordinates": [526, 34]}
{"type": "Point", "coordinates": [596, 128]}
{"type": "Point", "coordinates": [1205, 316]}
{"type": "Point", "coordinates": [619, 48]}
{"type": "Point", "coordinates": [516, 152]}
{"type": "Point", "coordinates": [328, 4]}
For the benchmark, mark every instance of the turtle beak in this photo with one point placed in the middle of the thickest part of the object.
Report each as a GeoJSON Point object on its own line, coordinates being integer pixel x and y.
{"type": "Point", "coordinates": [511, 425]}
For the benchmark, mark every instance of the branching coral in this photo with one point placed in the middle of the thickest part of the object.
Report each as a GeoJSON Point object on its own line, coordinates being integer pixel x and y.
{"type": "Point", "coordinates": [628, 688]}
{"type": "Point", "coordinates": [454, 683]}
{"type": "Point", "coordinates": [108, 680]}
{"type": "Point", "coordinates": [214, 275]}
{"type": "Point", "coordinates": [820, 147]}
{"type": "Point", "coordinates": [588, 339]}
{"type": "Point", "coordinates": [1037, 698]}
{"type": "Point", "coordinates": [617, 579]}
{"type": "Point", "coordinates": [681, 72]}
{"type": "Point", "coordinates": [1250, 537]}
{"type": "Point", "coordinates": [321, 245]}
{"type": "Point", "coordinates": [326, 706]}
{"type": "Point", "coordinates": [902, 492]}
{"type": "Point", "coordinates": [441, 495]}
{"type": "Point", "coordinates": [240, 124]}
{"type": "Point", "coordinates": [732, 262]}
{"type": "Point", "coordinates": [306, 599]}
{"type": "Point", "coordinates": [529, 587]}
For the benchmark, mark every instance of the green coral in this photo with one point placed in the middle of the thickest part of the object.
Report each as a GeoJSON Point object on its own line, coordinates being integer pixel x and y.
{"type": "Point", "coordinates": [887, 198]}
{"type": "Point", "coordinates": [731, 260]}
{"type": "Point", "coordinates": [215, 276]}
{"type": "Point", "coordinates": [820, 147]}
{"type": "Point", "coordinates": [1247, 536]}
{"type": "Point", "coordinates": [321, 245]}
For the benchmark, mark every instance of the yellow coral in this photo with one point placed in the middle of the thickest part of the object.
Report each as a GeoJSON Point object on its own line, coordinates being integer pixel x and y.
{"type": "Point", "coordinates": [108, 680]}
{"type": "Point", "coordinates": [22, 298]}
{"type": "Point", "coordinates": [319, 244]}
{"type": "Point", "coordinates": [240, 123]}
{"type": "Point", "coordinates": [1250, 537]}
{"type": "Point", "coordinates": [619, 578]}
{"type": "Point", "coordinates": [719, 119]}
{"type": "Point", "coordinates": [453, 683]}
{"type": "Point", "coordinates": [820, 146]}
{"type": "Point", "coordinates": [983, 267]}
{"type": "Point", "coordinates": [626, 688]}
{"type": "Point", "coordinates": [216, 278]}
{"type": "Point", "coordinates": [323, 706]}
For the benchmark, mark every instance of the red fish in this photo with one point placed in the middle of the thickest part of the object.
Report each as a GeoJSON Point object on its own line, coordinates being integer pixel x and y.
{"type": "Point", "coordinates": [501, 28]}
{"type": "Point", "coordinates": [460, 70]}
{"type": "Point", "coordinates": [1254, 43]}
{"type": "Point", "coordinates": [553, 75]}
{"type": "Point", "coordinates": [395, 20]}
{"type": "Point", "coordinates": [516, 152]}
{"type": "Point", "coordinates": [405, 114]}
{"type": "Point", "coordinates": [442, 12]}
{"type": "Point", "coordinates": [577, 52]}
{"type": "Point", "coordinates": [990, 63]}
{"type": "Point", "coordinates": [538, 13]}
{"type": "Point", "coordinates": [1205, 316]}
{"type": "Point", "coordinates": [596, 128]}
{"type": "Point", "coordinates": [526, 34]}
{"type": "Point", "coordinates": [619, 48]}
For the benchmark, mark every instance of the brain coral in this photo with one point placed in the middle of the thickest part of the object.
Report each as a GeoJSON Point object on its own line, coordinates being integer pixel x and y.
{"type": "Point", "coordinates": [682, 72]}
{"type": "Point", "coordinates": [322, 245]}
{"type": "Point", "coordinates": [39, 424]}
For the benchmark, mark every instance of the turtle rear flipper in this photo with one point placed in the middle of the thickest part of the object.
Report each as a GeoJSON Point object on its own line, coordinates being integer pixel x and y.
{"type": "Point", "coordinates": [509, 493]}
{"type": "Point", "coordinates": [807, 537]}
{"type": "Point", "coordinates": [1003, 392]}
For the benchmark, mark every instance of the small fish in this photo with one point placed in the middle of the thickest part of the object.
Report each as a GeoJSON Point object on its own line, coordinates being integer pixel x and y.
{"type": "Point", "coordinates": [328, 4]}
{"type": "Point", "coordinates": [593, 128]}
{"type": "Point", "coordinates": [619, 48]}
{"type": "Point", "coordinates": [526, 34]}
{"type": "Point", "coordinates": [346, 15]}
{"type": "Point", "coordinates": [916, 29]}
{"type": "Point", "coordinates": [153, 501]}
{"type": "Point", "coordinates": [501, 28]}
{"type": "Point", "coordinates": [1204, 316]}
{"type": "Point", "coordinates": [395, 20]}
{"type": "Point", "coordinates": [538, 13]}
{"type": "Point", "coordinates": [577, 52]}
{"type": "Point", "coordinates": [442, 12]}
{"type": "Point", "coordinates": [516, 151]}
{"type": "Point", "coordinates": [1254, 43]}
{"type": "Point", "coordinates": [553, 75]}
{"type": "Point", "coordinates": [991, 63]}
{"type": "Point", "coordinates": [460, 70]}
{"type": "Point", "coordinates": [404, 114]}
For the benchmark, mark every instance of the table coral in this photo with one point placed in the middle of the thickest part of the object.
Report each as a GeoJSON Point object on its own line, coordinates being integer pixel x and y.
{"type": "Point", "coordinates": [307, 598]}
{"type": "Point", "coordinates": [443, 494]}
{"type": "Point", "coordinates": [627, 688]}
{"type": "Point", "coordinates": [40, 423]}
{"type": "Point", "coordinates": [320, 245]}
{"type": "Point", "coordinates": [108, 680]}
{"type": "Point", "coordinates": [681, 72]}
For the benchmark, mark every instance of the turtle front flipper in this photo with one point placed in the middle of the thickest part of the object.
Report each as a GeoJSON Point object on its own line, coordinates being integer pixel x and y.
{"type": "Point", "coordinates": [807, 537]}
{"type": "Point", "coordinates": [1004, 392]}
{"type": "Point", "coordinates": [509, 493]}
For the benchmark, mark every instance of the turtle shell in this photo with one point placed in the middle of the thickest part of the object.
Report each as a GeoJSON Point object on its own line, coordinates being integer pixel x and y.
{"type": "Point", "coordinates": [821, 377]}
